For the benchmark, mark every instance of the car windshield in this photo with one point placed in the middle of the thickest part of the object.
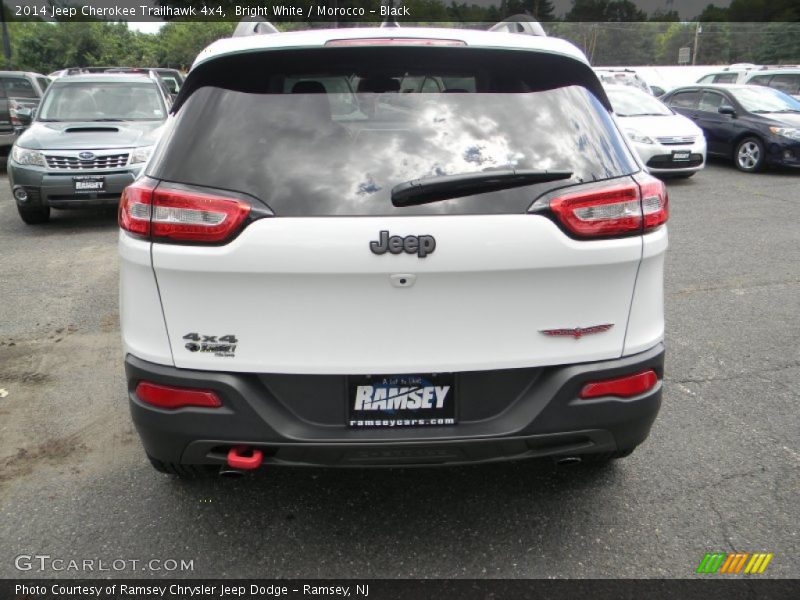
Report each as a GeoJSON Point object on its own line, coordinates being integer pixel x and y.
{"type": "Point", "coordinates": [102, 101]}
{"type": "Point", "coordinates": [630, 102]}
{"type": "Point", "coordinates": [765, 100]}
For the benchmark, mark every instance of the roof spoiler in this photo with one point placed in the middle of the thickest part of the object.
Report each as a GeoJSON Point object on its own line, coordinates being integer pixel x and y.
{"type": "Point", "coordinates": [254, 26]}
{"type": "Point", "coordinates": [524, 24]}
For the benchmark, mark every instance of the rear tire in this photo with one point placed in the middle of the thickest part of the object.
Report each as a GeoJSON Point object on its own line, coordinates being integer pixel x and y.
{"type": "Point", "coordinates": [34, 215]}
{"type": "Point", "coordinates": [182, 471]}
{"type": "Point", "coordinates": [749, 155]}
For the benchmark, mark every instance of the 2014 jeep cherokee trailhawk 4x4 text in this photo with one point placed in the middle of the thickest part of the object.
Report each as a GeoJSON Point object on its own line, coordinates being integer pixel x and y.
{"type": "Point", "coordinates": [391, 247]}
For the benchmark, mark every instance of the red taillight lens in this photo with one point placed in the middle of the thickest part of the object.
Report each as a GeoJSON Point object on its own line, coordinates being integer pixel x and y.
{"type": "Point", "coordinates": [179, 215]}
{"type": "Point", "coordinates": [624, 387]}
{"type": "Point", "coordinates": [655, 201]}
{"type": "Point", "coordinates": [13, 107]}
{"type": "Point", "coordinates": [164, 396]}
{"type": "Point", "coordinates": [614, 209]}
{"type": "Point", "coordinates": [395, 42]}
{"type": "Point", "coordinates": [597, 212]}
{"type": "Point", "coordinates": [135, 209]}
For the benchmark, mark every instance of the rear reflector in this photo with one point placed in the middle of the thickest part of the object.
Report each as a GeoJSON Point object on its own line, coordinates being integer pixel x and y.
{"type": "Point", "coordinates": [614, 209]}
{"type": "Point", "coordinates": [164, 396]}
{"type": "Point", "coordinates": [624, 387]}
{"type": "Point", "coordinates": [395, 42]}
{"type": "Point", "coordinates": [180, 215]}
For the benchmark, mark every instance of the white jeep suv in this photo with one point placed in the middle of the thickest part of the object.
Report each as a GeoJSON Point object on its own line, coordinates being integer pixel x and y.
{"type": "Point", "coordinates": [391, 247]}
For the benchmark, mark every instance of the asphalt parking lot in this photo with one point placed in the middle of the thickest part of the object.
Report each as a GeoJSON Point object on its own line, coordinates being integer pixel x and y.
{"type": "Point", "coordinates": [720, 472]}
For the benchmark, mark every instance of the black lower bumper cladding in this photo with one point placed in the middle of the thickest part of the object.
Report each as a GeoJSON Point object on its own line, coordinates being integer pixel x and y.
{"type": "Point", "coordinates": [302, 420]}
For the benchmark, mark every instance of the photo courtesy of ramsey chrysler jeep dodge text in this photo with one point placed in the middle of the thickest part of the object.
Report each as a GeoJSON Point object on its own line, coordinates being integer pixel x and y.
{"type": "Point", "coordinates": [391, 246]}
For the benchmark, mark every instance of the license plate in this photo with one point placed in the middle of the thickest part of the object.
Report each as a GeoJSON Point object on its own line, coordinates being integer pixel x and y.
{"type": "Point", "coordinates": [89, 184]}
{"type": "Point", "coordinates": [681, 155]}
{"type": "Point", "coordinates": [401, 400]}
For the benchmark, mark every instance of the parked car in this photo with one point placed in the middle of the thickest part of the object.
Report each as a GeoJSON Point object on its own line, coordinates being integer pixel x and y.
{"type": "Point", "coordinates": [472, 276]}
{"type": "Point", "coordinates": [89, 139]}
{"type": "Point", "coordinates": [622, 76]}
{"type": "Point", "coordinates": [172, 78]}
{"type": "Point", "coordinates": [755, 126]}
{"type": "Point", "coordinates": [787, 80]}
{"type": "Point", "coordinates": [667, 143]}
{"type": "Point", "coordinates": [733, 74]}
{"type": "Point", "coordinates": [20, 93]}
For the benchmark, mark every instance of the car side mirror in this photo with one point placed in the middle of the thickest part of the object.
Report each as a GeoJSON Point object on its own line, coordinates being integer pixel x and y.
{"type": "Point", "coordinates": [726, 109]}
{"type": "Point", "coordinates": [25, 116]}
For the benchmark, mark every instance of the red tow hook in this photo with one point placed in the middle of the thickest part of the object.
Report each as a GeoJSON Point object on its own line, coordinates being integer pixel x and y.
{"type": "Point", "coordinates": [245, 458]}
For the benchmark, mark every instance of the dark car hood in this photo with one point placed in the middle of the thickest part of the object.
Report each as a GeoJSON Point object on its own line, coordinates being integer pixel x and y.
{"type": "Point", "coordinates": [73, 135]}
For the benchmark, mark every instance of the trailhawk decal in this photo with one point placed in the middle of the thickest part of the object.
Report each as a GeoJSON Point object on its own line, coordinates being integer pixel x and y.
{"type": "Point", "coordinates": [223, 346]}
{"type": "Point", "coordinates": [401, 400]}
{"type": "Point", "coordinates": [577, 332]}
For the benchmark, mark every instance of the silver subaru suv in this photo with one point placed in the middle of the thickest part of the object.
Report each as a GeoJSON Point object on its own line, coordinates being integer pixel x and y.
{"type": "Point", "coordinates": [89, 139]}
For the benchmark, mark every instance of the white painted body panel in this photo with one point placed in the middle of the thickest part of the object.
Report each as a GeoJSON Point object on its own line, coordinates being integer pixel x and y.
{"type": "Point", "coordinates": [306, 295]}
{"type": "Point", "coordinates": [144, 333]}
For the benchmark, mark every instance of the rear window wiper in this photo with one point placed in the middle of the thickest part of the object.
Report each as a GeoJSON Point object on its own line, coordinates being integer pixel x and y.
{"type": "Point", "coordinates": [434, 189]}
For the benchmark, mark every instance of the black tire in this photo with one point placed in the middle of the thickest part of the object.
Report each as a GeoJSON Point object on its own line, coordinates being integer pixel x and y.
{"type": "Point", "coordinates": [749, 155]}
{"type": "Point", "coordinates": [34, 215]}
{"type": "Point", "coordinates": [182, 471]}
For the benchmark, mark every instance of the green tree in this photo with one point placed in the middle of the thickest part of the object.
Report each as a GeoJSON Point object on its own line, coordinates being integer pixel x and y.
{"type": "Point", "coordinates": [180, 42]}
{"type": "Point", "coordinates": [604, 11]}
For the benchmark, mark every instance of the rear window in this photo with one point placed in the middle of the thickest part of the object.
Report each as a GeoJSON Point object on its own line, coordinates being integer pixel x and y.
{"type": "Point", "coordinates": [684, 100]}
{"type": "Point", "coordinates": [726, 78]}
{"type": "Point", "coordinates": [17, 87]}
{"type": "Point", "coordinates": [335, 140]}
{"type": "Point", "coordinates": [788, 83]}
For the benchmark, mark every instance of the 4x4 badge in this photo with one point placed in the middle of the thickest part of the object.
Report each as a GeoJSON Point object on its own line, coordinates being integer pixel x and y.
{"type": "Point", "coordinates": [577, 332]}
{"type": "Point", "coordinates": [421, 245]}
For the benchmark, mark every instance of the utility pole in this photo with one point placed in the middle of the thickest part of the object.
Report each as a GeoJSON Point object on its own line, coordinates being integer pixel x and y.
{"type": "Point", "coordinates": [697, 31]}
{"type": "Point", "coordinates": [6, 38]}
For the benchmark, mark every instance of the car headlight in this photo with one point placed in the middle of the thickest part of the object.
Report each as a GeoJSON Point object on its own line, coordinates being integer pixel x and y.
{"type": "Point", "coordinates": [140, 155]}
{"type": "Point", "coordinates": [638, 137]}
{"type": "Point", "coordinates": [24, 156]}
{"type": "Point", "coordinates": [793, 133]}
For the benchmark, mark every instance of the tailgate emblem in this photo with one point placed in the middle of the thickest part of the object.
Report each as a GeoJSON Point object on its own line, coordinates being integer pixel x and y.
{"type": "Point", "coordinates": [577, 332]}
{"type": "Point", "coordinates": [421, 245]}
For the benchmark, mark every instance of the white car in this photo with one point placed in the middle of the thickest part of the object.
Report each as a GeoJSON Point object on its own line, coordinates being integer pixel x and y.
{"type": "Point", "coordinates": [471, 275]}
{"type": "Point", "coordinates": [667, 143]}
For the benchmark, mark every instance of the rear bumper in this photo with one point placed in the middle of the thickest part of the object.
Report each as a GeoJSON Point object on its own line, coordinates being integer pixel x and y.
{"type": "Point", "coordinates": [539, 414]}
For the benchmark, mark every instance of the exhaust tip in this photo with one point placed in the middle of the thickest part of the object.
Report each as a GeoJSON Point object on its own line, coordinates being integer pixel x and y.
{"type": "Point", "coordinates": [568, 460]}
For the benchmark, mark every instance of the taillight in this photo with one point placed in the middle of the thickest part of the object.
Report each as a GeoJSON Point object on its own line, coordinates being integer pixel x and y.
{"type": "Point", "coordinates": [395, 42]}
{"type": "Point", "coordinates": [180, 215]}
{"type": "Point", "coordinates": [623, 387]}
{"type": "Point", "coordinates": [13, 107]}
{"type": "Point", "coordinates": [166, 396]}
{"type": "Point", "coordinates": [618, 208]}
{"type": "Point", "coordinates": [655, 201]}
